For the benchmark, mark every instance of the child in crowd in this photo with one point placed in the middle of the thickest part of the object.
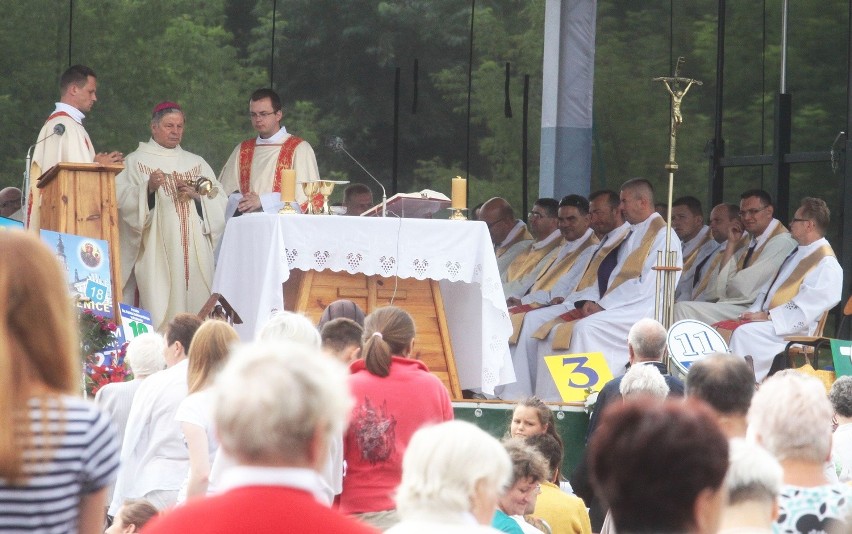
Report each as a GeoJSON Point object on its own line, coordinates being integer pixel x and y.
{"type": "Point", "coordinates": [132, 516]}
{"type": "Point", "coordinates": [341, 338]}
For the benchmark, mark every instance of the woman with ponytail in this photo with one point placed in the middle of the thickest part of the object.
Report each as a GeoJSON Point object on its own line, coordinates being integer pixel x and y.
{"type": "Point", "coordinates": [394, 396]}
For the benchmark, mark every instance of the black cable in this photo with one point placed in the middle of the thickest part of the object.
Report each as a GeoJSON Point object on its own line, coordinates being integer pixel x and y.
{"type": "Point", "coordinates": [469, 88]}
{"type": "Point", "coordinates": [70, 28]}
{"type": "Point", "coordinates": [272, 53]}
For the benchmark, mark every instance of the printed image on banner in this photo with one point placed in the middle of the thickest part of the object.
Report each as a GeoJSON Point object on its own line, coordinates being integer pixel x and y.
{"type": "Point", "coordinates": [86, 264]}
{"type": "Point", "coordinates": [134, 322]}
{"type": "Point", "coordinates": [576, 375]}
{"type": "Point", "coordinates": [10, 224]}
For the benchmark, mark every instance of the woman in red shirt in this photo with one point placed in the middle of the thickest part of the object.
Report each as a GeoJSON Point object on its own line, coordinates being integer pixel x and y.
{"type": "Point", "coordinates": [394, 396]}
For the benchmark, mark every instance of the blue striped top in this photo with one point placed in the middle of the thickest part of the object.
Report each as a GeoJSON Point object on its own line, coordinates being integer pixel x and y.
{"type": "Point", "coordinates": [83, 458]}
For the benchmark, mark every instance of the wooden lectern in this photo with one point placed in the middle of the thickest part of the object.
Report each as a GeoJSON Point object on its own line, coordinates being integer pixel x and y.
{"type": "Point", "coordinates": [79, 199]}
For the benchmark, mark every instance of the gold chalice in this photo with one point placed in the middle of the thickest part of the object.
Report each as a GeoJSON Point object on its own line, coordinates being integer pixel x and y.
{"type": "Point", "coordinates": [310, 189]}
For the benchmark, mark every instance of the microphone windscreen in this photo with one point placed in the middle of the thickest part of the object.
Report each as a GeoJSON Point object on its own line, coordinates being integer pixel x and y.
{"type": "Point", "coordinates": [335, 143]}
{"type": "Point", "coordinates": [59, 129]}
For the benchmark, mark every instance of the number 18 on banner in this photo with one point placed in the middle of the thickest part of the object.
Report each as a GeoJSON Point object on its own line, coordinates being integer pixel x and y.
{"type": "Point", "coordinates": [576, 373]}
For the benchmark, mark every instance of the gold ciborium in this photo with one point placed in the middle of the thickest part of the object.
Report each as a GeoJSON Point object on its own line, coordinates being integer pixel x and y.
{"type": "Point", "coordinates": [318, 193]}
{"type": "Point", "coordinates": [204, 186]}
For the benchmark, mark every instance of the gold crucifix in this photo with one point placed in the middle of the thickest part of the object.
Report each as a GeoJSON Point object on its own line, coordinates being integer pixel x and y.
{"type": "Point", "coordinates": [673, 86]}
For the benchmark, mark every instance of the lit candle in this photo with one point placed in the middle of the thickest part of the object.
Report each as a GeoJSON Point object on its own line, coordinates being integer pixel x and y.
{"type": "Point", "coordinates": [459, 193]}
{"type": "Point", "coordinates": [288, 185]}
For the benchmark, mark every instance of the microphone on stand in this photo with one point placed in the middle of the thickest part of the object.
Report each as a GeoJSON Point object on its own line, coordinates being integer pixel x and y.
{"type": "Point", "coordinates": [336, 144]}
{"type": "Point", "coordinates": [59, 129]}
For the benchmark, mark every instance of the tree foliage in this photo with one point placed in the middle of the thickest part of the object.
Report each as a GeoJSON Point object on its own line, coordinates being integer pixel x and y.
{"type": "Point", "coordinates": [335, 64]}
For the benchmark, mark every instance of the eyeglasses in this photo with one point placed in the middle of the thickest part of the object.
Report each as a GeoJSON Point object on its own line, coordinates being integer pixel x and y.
{"type": "Point", "coordinates": [261, 114]}
{"type": "Point", "coordinates": [10, 203]}
{"type": "Point", "coordinates": [798, 220]}
{"type": "Point", "coordinates": [752, 212]}
{"type": "Point", "coordinates": [491, 224]}
{"type": "Point", "coordinates": [537, 215]}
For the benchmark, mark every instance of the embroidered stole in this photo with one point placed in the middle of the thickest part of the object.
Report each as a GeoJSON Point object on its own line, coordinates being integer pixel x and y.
{"type": "Point", "coordinates": [779, 229]}
{"type": "Point", "coordinates": [790, 287]}
{"type": "Point", "coordinates": [690, 258]}
{"type": "Point", "coordinates": [553, 271]}
{"type": "Point", "coordinates": [526, 263]}
{"type": "Point", "coordinates": [631, 269]}
{"type": "Point", "coordinates": [707, 275]}
{"type": "Point", "coordinates": [285, 161]}
{"type": "Point", "coordinates": [522, 236]}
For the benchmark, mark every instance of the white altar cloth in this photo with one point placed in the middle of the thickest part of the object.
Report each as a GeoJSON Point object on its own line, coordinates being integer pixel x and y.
{"type": "Point", "coordinates": [258, 250]}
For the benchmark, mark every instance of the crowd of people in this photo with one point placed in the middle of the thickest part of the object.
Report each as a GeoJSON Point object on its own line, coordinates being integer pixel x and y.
{"type": "Point", "coordinates": [334, 428]}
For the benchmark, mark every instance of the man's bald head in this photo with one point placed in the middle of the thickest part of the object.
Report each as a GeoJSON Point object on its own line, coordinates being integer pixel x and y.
{"type": "Point", "coordinates": [10, 201]}
{"type": "Point", "coordinates": [498, 214]}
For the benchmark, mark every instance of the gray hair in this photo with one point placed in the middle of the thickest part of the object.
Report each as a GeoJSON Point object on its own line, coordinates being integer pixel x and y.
{"type": "Point", "coordinates": [644, 379]}
{"type": "Point", "coordinates": [754, 475]}
{"type": "Point", "coordinates": [272, 398]}
{"type": "Point", "coordinates": [290, 326]}
{"type": "Point", "coordinates": [648, 339]}
{"type": "Point", "coordinates": [145, 354]}
{"type": "Point", "coordinates": [445, 465]}
{"type": "Point", "coordinates": [158, 116]}
{"type": "Point", "coordinates": [841, 396]}
{"type": "Point", "coordinates": [790, 415]}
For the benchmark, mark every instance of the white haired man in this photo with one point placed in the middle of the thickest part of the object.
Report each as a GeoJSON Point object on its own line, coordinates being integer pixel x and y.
{"type": "Point", "coordinates": [276, 407]}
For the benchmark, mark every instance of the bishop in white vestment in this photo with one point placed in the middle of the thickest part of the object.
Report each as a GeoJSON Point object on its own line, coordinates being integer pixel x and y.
{"type": "Point", "coordinates": [168, 231]}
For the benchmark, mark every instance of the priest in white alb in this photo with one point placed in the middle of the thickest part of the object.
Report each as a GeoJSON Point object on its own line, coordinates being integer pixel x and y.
{"type": "Point", "coordinates": [168, 229]}
{"type": "Point", "coordinates": [509, 235]}
{"type": "Point", "coordinates": [252, 175]}
{"type": "Point", "coordinates": [743, 271]}
{"type": "Point", "coordinates": [519, 277]}
{"type": "Point", "coordinates": [63, 138]}
{"type": "Point", "coordinates": [695, 239]}
{"type": "Point", "coordinates": [808, 284]}
{"type": "Point", "coordinates": [631, 290]}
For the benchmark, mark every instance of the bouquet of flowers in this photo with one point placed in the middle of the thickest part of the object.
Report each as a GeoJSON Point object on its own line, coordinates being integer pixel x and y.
{"type": "Point", "coordinates": [97, 334]}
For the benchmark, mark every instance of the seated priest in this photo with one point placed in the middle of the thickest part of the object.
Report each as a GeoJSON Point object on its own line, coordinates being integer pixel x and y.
{"type": "Point", "coordinates": [703, 277]}
{"type": "Point", "coordinates": [562, 270]}
{"type": "Point", "coordinates": [525, 268]}
{"type": "Point", "coordinates": [807, 285]}
{"type": "Point", "coordinates": [695, 237]}
{"type": "Point", "coordinates": [508, 234]}
{"type": "Point", "coordinates": [617, 289]}
{"type": "Point", "coordinates": [541, 307]}
{"type": "Point", "coordinates": [744, 271]}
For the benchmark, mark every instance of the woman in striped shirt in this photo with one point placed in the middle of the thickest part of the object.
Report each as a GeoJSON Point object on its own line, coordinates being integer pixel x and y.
{"type": "Point", "coordinates": [58, 453]}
